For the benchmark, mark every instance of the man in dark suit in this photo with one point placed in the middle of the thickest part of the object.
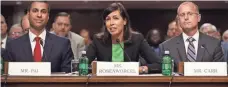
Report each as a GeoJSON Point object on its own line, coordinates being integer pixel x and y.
{"type": "Point", "coordinates": [38, 44]}
{"type": "Point", "coordinates": [4, 36]}
{"type": "Point", "coordinates": [191, 45]}
{"type": "Point", "coordinates": [225, 50]}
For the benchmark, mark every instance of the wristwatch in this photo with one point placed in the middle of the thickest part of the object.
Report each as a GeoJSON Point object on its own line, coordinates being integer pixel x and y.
{"type": "Point", "coordinates": [143, 70]}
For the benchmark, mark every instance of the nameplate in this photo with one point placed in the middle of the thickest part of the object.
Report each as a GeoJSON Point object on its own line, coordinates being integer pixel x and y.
{"type": "Point", "coordinates": [117, 68]}
{"type": "Point", "coordinates": [205, 69]}
{"type": "Point", "coordinates": [29, 68]}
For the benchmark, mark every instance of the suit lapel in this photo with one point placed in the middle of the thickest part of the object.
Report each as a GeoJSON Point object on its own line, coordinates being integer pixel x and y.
{"type": "Point", "coordinates": [8, 39]}
{"type": "Point", "coordinates": [47, 47]}
{"type": "Point", "coordinates": [201, 49]}
{"type": "Point", "coordinates": [27, 48]}
{"type": "Point", "coordinates": [181, 48]}
{"type": "Point", "coordinates": [126, 46]}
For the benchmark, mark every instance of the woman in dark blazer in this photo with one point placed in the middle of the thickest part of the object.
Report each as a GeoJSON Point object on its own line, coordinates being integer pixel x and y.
{"type": "Point", "coordinates": [117, 34]}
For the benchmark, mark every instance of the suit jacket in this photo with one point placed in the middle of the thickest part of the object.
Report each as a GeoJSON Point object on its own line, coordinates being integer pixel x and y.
{"type": "Point", "coordinates": [135, 48]}
{"type": "Point", "coordinates": [8, 39]}
{"type": "Point", "coordinates": [57, 50]}
{"type": "Point", "coordinates": [209, 49]}
{"type": "Point", "coordinates": [225, 50]}
{"type": "Point", "coordinates": [77, 44]}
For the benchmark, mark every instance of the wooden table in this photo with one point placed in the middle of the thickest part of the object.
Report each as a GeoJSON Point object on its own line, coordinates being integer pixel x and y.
{"type": "Point", "coordinates": [113, 81]}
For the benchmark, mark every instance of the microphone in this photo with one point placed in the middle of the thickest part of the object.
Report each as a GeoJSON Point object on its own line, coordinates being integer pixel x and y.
{"type": "Point", "coordinates": [44, 56]}
{"type": "Point", "coordinates": [5, 79]}
{"type": "Point", "coordinates": [172, 74]}
{"type": "Point", "coordinates": [118, 41]}
{"type": "Point", "coordinates": [42, 43]}
{"type": "Point", "coordinates": [204, 46]}
{"type": "Point", "coordinates": [87, 81]}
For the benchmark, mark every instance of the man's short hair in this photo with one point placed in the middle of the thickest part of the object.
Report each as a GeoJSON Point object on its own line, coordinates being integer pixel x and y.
{"type": "Point", "coordinates": [16, 26]}
{"type": "Point", "coordinates": [208, 25]}
{"type": "Point", "coordinates": [29, 7]}
{"type": "Point", "coordinates": [226, 32]}
{"type": "Point", "coordinates": [65, 14]}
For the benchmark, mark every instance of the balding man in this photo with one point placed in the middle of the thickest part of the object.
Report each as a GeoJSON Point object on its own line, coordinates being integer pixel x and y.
{"type": "Point", "coordinates": [225, 44]}
{"type": "Point", "coordinates": [16, 31]}
{"type": "Point", "coordinates": [191, 45]}
{"type": "Point", "coordinates": [25, 23]}
{"type": "Point", "coordinates": [225, 36]}
{"type": "Point", "coordinates": [208, 29]}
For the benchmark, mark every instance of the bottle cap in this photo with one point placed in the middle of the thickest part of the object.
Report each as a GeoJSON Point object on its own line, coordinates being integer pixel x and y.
{"type": "Point", "coordinates": [83, 52]}
{"type": "Point", "coordinates": [166, 52]}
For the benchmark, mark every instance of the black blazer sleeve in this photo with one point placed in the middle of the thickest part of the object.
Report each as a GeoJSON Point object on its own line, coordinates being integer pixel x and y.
{"type": "Point", "coordinates": [91, 51]}
{"type": "Point", "coordinates": [153, 60]}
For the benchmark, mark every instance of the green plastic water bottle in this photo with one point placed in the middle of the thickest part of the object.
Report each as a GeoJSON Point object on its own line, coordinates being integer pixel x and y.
{"type": "Point", "coordinates": [83, 64]}
{"type": "Point", "coordinates": [2, 66]}
{"type": "Point", "coordinates": [166, 64]}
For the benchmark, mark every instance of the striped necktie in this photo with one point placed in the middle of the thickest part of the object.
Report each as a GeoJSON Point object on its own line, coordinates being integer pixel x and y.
{"type": "Point", "coordinates": [191, 53]}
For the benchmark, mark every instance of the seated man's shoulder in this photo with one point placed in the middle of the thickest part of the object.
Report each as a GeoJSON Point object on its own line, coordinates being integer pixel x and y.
{"type": "Point", "coordinates": [210, 39]}
{"type": "Point", "coordinates": [59, 39]}
{"type": "Point", "coordinates": [18, 40]}
{"type": "Point", "coordinates": [76, 36]}
{"type": "Point", "coordinates": [136, 35]}
{"type": "Point", "coordinates": [171, 41]}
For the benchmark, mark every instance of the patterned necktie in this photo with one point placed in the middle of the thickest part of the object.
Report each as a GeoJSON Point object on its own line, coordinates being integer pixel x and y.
{"type": "Point", "coordinates": [1, 44]}
{"type": "Point", "coordinates": [191, 53]}
{"type": "Point", "coordinates": [37, 50]}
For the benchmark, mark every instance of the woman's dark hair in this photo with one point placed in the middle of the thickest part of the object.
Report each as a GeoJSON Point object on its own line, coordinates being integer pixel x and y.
{"type": "Point", "coordinates": [105, 35]}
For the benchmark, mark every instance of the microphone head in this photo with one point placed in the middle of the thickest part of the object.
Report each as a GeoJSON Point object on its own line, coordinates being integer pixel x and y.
{"type": "Point", "coordinates": [117, 40]}
{"type": "Point", "coordinates": [203, 45]}
{"type": "Point", "coordinates": [41, 42]}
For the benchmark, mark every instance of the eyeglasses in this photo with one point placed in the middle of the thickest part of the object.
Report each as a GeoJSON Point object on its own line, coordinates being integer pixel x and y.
{"type": "Point", "coordinates": [16, 33]}
{"type": "Point", "coordinates": [189, 14]}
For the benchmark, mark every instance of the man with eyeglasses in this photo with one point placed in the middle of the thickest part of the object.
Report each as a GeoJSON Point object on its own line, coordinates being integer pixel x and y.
{"type": "Point", "coordinates": [191, 45]}
{"type": "Point", "coordinates": [16, 31]}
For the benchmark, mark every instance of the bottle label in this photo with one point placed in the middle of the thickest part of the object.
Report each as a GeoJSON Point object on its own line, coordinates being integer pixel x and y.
{"type": "Point", "coordinates": [166, 69]}
{"type": "Point", "coordinates": [83, 67]}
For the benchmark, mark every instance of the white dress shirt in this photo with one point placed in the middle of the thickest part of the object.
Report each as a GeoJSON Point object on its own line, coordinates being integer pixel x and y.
{"type": "Point", "coordinates": [33, 41]}
{"type": "Point", "coordinates": [4, 42]}
{"type": "Point", "coordinates": [195, 43]}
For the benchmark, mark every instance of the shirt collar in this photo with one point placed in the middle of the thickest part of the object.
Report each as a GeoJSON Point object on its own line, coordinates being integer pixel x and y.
{"type": "Point", "coordinates": [4, 39]}
{"type": "Point", "coordinates": [69, 36]}
{"type": "Point", "coordinates": [195, 36]}
{"type": "Point", "coordinates": [42, 35]}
